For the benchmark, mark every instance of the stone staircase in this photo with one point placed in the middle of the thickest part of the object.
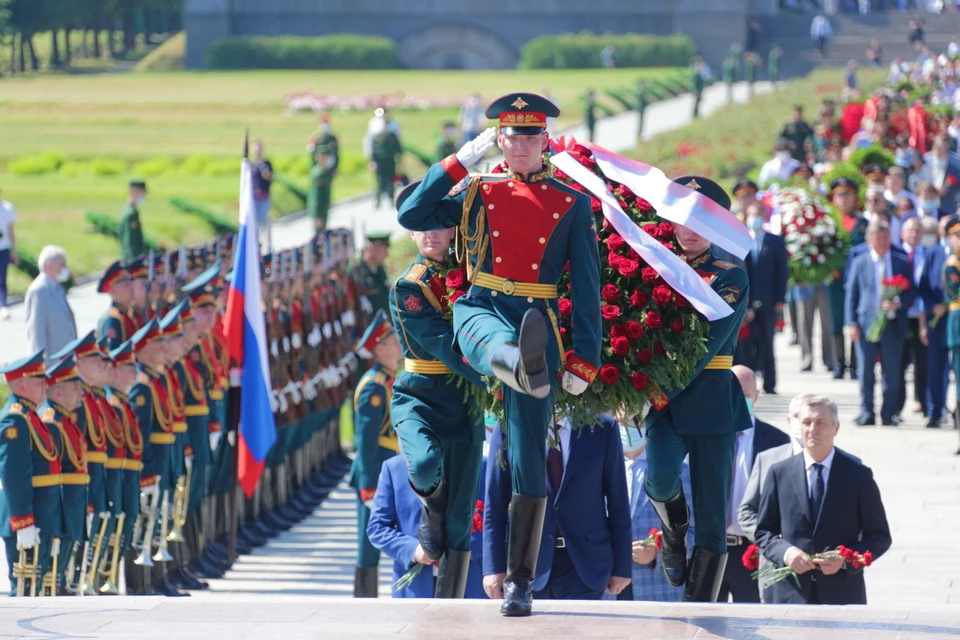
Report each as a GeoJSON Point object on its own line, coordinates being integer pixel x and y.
{"type": "Point", "coordinates": [852, 36]}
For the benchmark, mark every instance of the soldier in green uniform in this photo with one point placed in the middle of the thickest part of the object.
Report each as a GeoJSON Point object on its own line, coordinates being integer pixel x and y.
{"type": "Point", "coordinates": [800, 134]}
{"type": "Point", "coordinates": [321, 184]}
{"type": "Point", "coordinates": [441, 435]}
{"type": "Point", "coordinates": [370, 276]}
{"type": "Point", "coordinates": [130, 232]}
{"type": "Point", "coordinates": [701, 419]}
{"type": "Point", "coordinates": [385, 151]}
{"type": "Point", "coordinates": [730, 75]}
{"type": "Point", "coordinates": [30, 499]}
{"type": "Point", "coordinates": [64, 395]}
{"type": "Point", "coordinates": [374, 438]}
{"type": "Point", "coordinates": [750, 63]}
{"type": "Point", "coordinates": [590, 113]}
{"type": "Point", "coordinates": [447, 143]}
{"type": "Point", "coordinates": [951, 291]}
{"type": "Point", "coordinates": [697, 84]}
{"type": "Point", "coordinates": [773, 64]}
{"type": "Point", "coordinates": [324, 137]}
{"type": "Point", "coordinates": [641, 103]}
{"type": "Point", "coordinates": [118, 324]}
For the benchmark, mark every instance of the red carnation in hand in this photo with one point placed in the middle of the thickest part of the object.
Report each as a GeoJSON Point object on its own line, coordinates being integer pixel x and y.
{"type": "Point", "coordinates": [642, 204]}
{"type": "Point", "coordinates": [609, 374]}
{"type": "Point", "coordinates": [610, 311]}
{"type": "Point", "coordinates": [638, 299]}
{"type": "Point", "coordinates": [618, 331]}
{"type": "Point", "coordinates": [566, 307]}
{"type": "Point", "coordinates": [644, 356]}
{"type": "Point", "coordinates": [751, 558]}
{"type": "Point", "coordinates": [624, 192]}
{"type": "Point", "coordinates": [867, 558]}
{"type": "Point", "coordinates": [456, 295]}
{"type": "Point", "coordinates": [610, 293]}
{"type": "Point", "coordinates": [662, 295]}
{"type": "Point", "coordinates": [634, 330]}
{"type": "Point", "coordinates": [666, 230]}
{"type": "Point", "coordinates": [653, 230]}
{"type": "Point", "coordinates": [620, 346]}
{"type": "Point", "coordinates": [639, 380]}
{"type": "Point", "coordinates": [615, 242]}
{"type": "Point", "coordinates": [649, 274]}
{"type": "Point", "coordinates": [653, 320]}
{"type": "Point", "coordinates": [628, 267]}
{"type": "Point", "coordinates": [594, 204]}
{"type": "Point", "coordinates": [456, 278]}
{"type": "Point", "coordinates": [677, 325]}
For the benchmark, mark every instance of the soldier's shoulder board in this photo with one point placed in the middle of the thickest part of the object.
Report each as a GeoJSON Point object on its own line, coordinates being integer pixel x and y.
{"type": "Point", "coordinates": [457, 188]}
{"type": "Point", "coordinates": [48, 414]}
{"type": "Point", "coordinates": [416, 273]}
{"type": "Point", "coordinates": [723, 264]}
{"type": "Point", "coordinates": [114, 313]}
{"type": "Point", "coordinates": [143, 378]}
{"type": "Point", "coordinates": [17, 409]}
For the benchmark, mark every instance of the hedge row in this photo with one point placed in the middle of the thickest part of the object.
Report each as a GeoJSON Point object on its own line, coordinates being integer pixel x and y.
{"type": "Point", "coordinates": [582, 51]}
{"type": "Point", "coordinates": [341, 51]}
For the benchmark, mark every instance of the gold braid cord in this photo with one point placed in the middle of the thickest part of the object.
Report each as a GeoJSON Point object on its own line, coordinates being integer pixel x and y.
{"type": "Point", "coordinates": [474, 244]}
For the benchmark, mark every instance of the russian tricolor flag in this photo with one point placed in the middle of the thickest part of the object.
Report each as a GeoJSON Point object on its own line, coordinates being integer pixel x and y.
{"type": "Point", "coordinates": [246, 338]}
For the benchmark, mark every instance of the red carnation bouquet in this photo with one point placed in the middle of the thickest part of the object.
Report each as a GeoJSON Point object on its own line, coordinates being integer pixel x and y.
{"type": "Point", "coordinates": [654, 539]}
{"type": "Point", "coordinates": [478, 517]}
{"type": "Point", "coordinates": [892, 287]}
{"type": "Point", "coordinates": [771, 574]}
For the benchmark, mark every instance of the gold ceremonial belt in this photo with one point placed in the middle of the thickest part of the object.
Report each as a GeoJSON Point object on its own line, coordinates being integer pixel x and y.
{"type": "Point", "coordinates": [97, 456]}
{"type": "Point", "coordinates": [426, 367]}
{"type": "Point", "coordinates": [216, 394]}
{"type": "Point", "coordinates": [719, 362]}
{"type": "Point", "coordinates": [132, 465]}
{"type": "Point", "coordinates": [162, 438]}
{"type": "Point", "coordinates": [197, 410]}
{"type": "Point", "coordinates": [178, 427]}
{"type": "Point", "coordinates": [115, 463]}
{"type": "Point", "coordinates": [54, 479]}
{"type": "Point", "coordinates": [511, 288]}
{"type": "Point", "coordinates": [74, 478]}
{"type": "Point", "coordinates": [955, 305]}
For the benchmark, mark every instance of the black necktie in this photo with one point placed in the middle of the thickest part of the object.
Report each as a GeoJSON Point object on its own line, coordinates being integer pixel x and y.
{"type": "Point", "coordinates": [555, 461]}
{"type": "Point", "coordinates": [816, 495]}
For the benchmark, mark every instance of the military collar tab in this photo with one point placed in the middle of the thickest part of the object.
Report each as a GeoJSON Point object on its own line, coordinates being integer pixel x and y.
{"type": "Point", "coordinates": [545, 173]}
{"type": "Point", "coordinates": [701, 259]}
{"type": "Point", "coordinates": [424, 260]}
{"type": "Point", "coordinates": [26, 403]}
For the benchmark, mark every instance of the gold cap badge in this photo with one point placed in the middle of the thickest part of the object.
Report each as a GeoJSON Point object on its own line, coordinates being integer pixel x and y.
{"type": "Point", "coordinates": [519, 103]}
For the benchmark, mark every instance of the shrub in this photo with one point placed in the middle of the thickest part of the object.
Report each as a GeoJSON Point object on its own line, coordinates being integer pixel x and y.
{"type": "Point", "coordinates": [154, 167]}
{"type": "Point", "coordinates": [37, 165]}
{"type": "Point", "coordinates": [874, 154]}
{"type": "Point", "coordinates": [351, 162]}
{"type": "Point", "coordinates": [582, 51]}
{"type": "Point", "coordinates": [72, 168]}
{"type": "Point", "coordinates": [101, 166]}
{"type": "Point", "coordinates": [194, 165]}
{"type": "Point", "coordinates": [222, 167]}
{"type": "Point", "coordinates": [341, 51]}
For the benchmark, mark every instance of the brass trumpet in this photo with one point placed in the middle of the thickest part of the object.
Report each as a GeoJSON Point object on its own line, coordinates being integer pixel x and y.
{"type": "Point", "coordinates": [143, 531]}
{"type": "Point", "coordinates": [162, 555]}
{"type": "Point", "coordinates": [179, 516]}
{"type": "Point", "coordinates": [24, 571]}
{"type": "Point", "coordinates": [89, 578]}
{"type": "Point", "coordinates": [110, 572]}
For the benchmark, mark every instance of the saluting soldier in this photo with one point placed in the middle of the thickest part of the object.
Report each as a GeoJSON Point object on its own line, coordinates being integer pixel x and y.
{"type": "Point", "coordinates": [118, 323]}
{"type": "Point", "coordinates": [130, 232]}
{"type": "Point", "coordinates": [520, 230]}
{"type": "Point", "coordinates": [30, 501]}
{"type": "Point", "coordinates": [700, 418]}
{"type": "Point", "coordinates": [441, 434]}
{"type": "Point", "coordinates": [64, 395]}
{"type": "Point", "coordinates": [375, 439]}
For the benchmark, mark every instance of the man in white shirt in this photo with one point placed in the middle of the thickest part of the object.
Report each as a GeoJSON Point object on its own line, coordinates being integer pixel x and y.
{"type": "Point", "coordinates": [8, 251]}
{"type": "Point", "coordinates": [781, 167]}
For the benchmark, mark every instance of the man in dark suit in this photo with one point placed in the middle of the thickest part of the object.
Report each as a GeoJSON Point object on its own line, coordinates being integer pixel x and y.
{"type": "Point", "coordinates": [864, 300]}
{"type": "Point", "coordinates": [766, 266]}
{"type": "Point", "coordinates": [750, 442]}
{"type": "Point", "coordinates": [941, 168]}
{"type": "Point", "coordinates": [815, 501]}
{"type": "Point", "coordinates": [930, 289]}
{"type": "Point", "coordinates": [586, 541]}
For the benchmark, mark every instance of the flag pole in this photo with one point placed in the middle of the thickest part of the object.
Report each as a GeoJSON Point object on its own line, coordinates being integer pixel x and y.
{"type": "Point", "coordinates": [234, 427]}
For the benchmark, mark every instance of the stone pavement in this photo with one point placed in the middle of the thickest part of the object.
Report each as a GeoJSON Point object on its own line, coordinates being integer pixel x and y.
{"type": "Point", "coordinates": [616, 133]}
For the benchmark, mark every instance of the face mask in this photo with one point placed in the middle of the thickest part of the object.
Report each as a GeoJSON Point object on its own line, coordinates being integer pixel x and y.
{"type": "Point", "coordinates": [944, 243]}
{"type": "Point", "coordinates": [324, 128]}
{"type": "Point", "coordinates": [782, 155]}
{"type": "Point", "coordinates": [755, 223]}
{"type": "Point", "coordinates": [796, 431]}
{"type": "Point", "coordinates": [750, 405]}
{"type": "Point", "coordinates": [632, 439]}
{"type": "Point", "coordinates": [64, 274]}
{"type": "Point", "coordinates": [929, 240]}
{"type": "Point", "coordinates": [490, 420]}
{"type": "Point", "coordinates": [928, 206]}
{"type": "Point", "coordinates": [140, 199]}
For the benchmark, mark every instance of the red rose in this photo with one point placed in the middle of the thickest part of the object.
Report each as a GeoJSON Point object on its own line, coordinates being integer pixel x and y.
{"type": "Point", "coordinates": [587, 161]}
{"type": "Point", "coordinates": [680, 302]}
{"type": "Point", "coordinates": [628, 267]}
{"type": "Point", "coordinates": [633, 255]}
{"type": "Point", "coordinates": [595, 204]}
{"type": "Point", "coordinates": [607, 224]}
{"type": "Point", "coordinates": [666, 230]}
{"type": "Point", "coordinates": [652, 320]}
{"type": "Point", "coordinates": [669, 246]}
{"type": "Point", "coordinates": [610, 311]}
{"type": "Point", "coordinates": [615, 242]}
{"type": "Point", "coordinates": [623, 191]}
{"type": "Point", "coordinates": [580, 150]}
{"type": "Point", "coordinates": [634, 330]}
{"type": "Point", "coordinates": [455, 279]}
{"type": "Point", "coordinates": [620, 346]}
{"type": "Point", "coordinates": [610, 293]}
{"type": "Point", "coordinates": [618, 330]}
{"type": "Point", "coordinates": [566, 307]}
{"type": "Point", "coordinates": [639, 381]}
{"type": "Point", "coordinates": [613, 259]}
{"type": "Point", "coordinates": [662, 295]}
{"type": "Point", "coordinates": [563, 333]}
{"type": "Point", "coordinates": [642, 204]}
{"type": "Point", "coordinates": [609, 374]}
{"type": "Point", "coordinates": [751, 558]}
{"type": "Point", "coordinates": [652, 229]}
{"type": "Point", "coordinates": [677, 325]}
{"type": "Point", "coordinates": [456, 295]}
{"type": "Point", "coordinates": [560, 175]}
{"type": "Point", "coordinates": [644, 356]}
{"type": "Point", "coordinates": [566, 267]}
{"type": "Point", "coordinates": [649, 274]}
{"type": "Point", "coordinates": [659, 349]}
{"type": "Point", "coordinates": [638, 298]}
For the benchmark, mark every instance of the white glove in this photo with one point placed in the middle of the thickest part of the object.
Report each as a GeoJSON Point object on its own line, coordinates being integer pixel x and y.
{"type": "Point", "coordinates": [352, 362]}
{"type": "Point", "coordinates": [368, 504]}
{"type": "Point", "coordinates": [215, 439]}
{"type": "Point", "coordinates": [274, 403]}
{"type": "Point", "coordinates": [574, 384]}
{"type": "Point", "coordinates": [337, 327]}
{"type": "Point", "coordinates": [314, 338]}
{"type": "Point", "coordinates": [274, 349]}
{"type": "Point", "coordinates": [334, 375]}
{"type": "Point", "coordinates": [286, 344]}
{"type": "Point", "coordinates": [188, 462]}
{"type": "Point", "coordinates": [366, 305]}
{"type": "Point", "coordinates": [232, 438]}
{"type": "Point", "coordinates": [152, 490]}
{"type": "Point", "coordinates": [351, 318]}
{"type": "Point", "coordinates": [471, 152]}
{"type": "Point", "coordinates": [89, 524]}
{"type": "Point", "coordinates": [27, 537]}
{"type": "Point", "coordinates": [284, 405]}
{"type": "Point", "coordinates": [296, 341]}
{"type": "Point", "coordinates": [318, 378]}
{"type": "Point", "coordinates": [294, 391]}
{"type": "Point", "coordinates": [343, 372]}
{"type": "Point", "coordinates": [309, 390]}
{"type": "Point", "coordinates": [327, 330]}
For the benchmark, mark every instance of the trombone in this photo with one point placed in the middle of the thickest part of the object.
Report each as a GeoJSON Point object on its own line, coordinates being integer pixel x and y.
{"type": "Point", "coordinates": [181, 495]}
{"type": "Point", "coordinates": [110, 572]}
{"type": "Point", "coordinates": [89, 569]}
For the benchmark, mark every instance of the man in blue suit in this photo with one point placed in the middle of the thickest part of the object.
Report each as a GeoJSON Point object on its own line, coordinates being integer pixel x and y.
{"type": "Point", "coordinates": [393, 529]}
{"type": "Point", "coordinates": [930, 289]}
{"type": "Point", "coordinates": [767, 270]}
{"type": "Point", "coordinates": [649, 581]}
{"type": "Point", "coordinates": [586, 538]}
{"type": "Point", "coordinates": [863, 301]}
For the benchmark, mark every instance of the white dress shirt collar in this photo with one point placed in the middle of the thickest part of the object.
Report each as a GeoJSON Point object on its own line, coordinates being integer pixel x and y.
{"type": "Point", "coordinates": [827, 462]}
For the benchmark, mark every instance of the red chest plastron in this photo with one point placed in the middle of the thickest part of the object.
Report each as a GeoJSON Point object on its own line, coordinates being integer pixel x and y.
{"type": "Point", "coordinates": [521, 217]}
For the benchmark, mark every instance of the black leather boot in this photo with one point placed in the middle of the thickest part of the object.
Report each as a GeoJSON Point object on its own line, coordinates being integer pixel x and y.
{"type": "Point", "coordinates": [526, 529]}
{"type": "Point", "coordinates": [452, 577]}
{"type": "Point", "coordinates": [523, 366]}
{"type": "Point", "coordinates": [675, 518]}
{"type": "Point", "coordinates": [366, 582]}
{"type": "Point", "coordinates": [706, 574]}
{"type": "Point", "coordinates": [432, 518]}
